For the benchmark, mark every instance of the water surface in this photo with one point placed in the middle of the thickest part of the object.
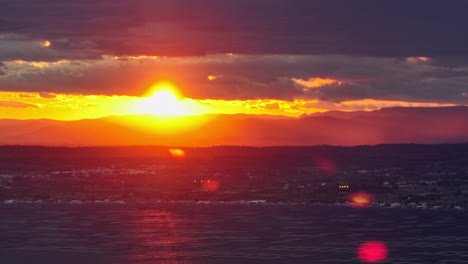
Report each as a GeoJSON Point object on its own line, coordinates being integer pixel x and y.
{"type": "Point", "coordinates": [225, 233]}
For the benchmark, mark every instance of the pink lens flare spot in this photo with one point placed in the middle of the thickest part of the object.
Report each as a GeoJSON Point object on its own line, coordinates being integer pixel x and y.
{"type": "Point", "coordinates": [325, 165]}
{"type": "Point", "coordinates": [211, 185]}
{"type": "Point", "coordinates": [372, 251]}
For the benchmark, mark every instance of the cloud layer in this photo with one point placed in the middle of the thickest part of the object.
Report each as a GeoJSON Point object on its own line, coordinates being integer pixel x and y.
{"type": "Point", "coordinates": [329, 50]}
{"type": "Point", "coordinates": [330, 78]}
{"type": "Point", "coordinates": [197, 27]}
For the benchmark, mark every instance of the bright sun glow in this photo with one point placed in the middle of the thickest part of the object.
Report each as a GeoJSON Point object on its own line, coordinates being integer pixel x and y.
{"type": "Point", "coordinates": [164, 102]}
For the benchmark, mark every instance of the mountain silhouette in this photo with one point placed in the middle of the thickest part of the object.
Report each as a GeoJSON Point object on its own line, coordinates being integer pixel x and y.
{"type": "Point", "coordinates": [385, 126]}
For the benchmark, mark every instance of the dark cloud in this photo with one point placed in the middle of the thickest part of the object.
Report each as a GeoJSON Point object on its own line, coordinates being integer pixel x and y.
{"type": "Point", "coordinates": [397, 28]}
{"type": "Point", "coordinates": [14, 47]}
{"type": "Point", "coordinates": [424, 90]}
{"type": "Point", "coordinates": [2, 68]}
{"type": "Point", "coordinates": [427, 89]}
{"type": "Point", "coordinates": [451, 61]}
{"type": "Point", "coordinates": [250, 77]}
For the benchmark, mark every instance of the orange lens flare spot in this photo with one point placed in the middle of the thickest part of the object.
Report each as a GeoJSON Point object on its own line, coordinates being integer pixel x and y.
{"type": "Point", "coordinates": [46, 44]}
{"type": "Point", "coordinates": [212, 77]}
{"type": "Point", "coordinates": [211, 185]}
{"type": "Point", "coordinates": [360, 200]}
{"type": "Point", "coordinates": [177, 154]}
{"type": "Point", "coordinates": [372, 251]}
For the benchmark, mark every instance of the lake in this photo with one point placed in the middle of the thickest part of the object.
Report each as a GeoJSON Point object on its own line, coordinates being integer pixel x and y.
{"type": "Point", "coordinates": [226, 233]}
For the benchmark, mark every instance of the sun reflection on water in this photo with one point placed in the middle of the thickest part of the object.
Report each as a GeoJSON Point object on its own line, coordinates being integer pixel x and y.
{"type": "Point", "coordinates": [163, 238]}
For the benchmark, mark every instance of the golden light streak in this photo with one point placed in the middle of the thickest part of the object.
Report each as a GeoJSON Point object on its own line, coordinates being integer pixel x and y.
{"type": "Point", "coordinates": [142, 57]}
{"type": "Point", "coordinates": [19, 61]}
{"type": "Point", "coordinates": [212, 77]}
{"type": "Point", "coordinates": [39, 64]}
{"type": "Point", "coordinates": [74, 107]}
{"type": "Point", "coordinates": [315, 82]}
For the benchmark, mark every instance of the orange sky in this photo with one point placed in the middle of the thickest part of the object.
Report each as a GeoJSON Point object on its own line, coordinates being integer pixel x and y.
{"type": "Point", "coordinates": [22, 105]}
{"type": "Point", "coordinates": [134, 79]}
{"type": "Point", "coordinates": [53, 67]}
{"type": "Point", "coordinates": [186, 58]}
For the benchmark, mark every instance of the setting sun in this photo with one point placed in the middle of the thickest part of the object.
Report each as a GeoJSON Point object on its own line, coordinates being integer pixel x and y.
{"type": "Point", "coordinates": [164, 102]}
{"type": "Point", "coordinates": [308, 131]}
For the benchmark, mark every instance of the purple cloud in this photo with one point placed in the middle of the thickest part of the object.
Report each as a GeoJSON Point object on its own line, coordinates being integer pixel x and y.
{"type": "Point", "coordinates": [196, 27]}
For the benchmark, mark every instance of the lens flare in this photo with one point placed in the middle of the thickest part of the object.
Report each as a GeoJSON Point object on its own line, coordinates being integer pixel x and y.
{"type": "Point", "coordinates": [325, 165]}
{"type": "Point", "coordinates": [46, 44]}
{"type": "Point", "coordinates": [372, 251]}
{"type": "Point", "coordinates": [211, 185]}
{"type": "Point", "coordinates": [177, 154]}
{"type": "Point", "coordinates": [360, 200]}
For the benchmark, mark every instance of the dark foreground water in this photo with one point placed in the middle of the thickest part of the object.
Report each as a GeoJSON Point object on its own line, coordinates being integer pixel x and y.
{"type": "Point", "coordinates": [221, 233]}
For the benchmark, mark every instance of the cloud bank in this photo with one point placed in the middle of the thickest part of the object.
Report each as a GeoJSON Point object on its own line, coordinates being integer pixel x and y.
{"type": "Point", "coordinates": [331, 78]}
{"type": "Point", "coordinates": [198, 27]}
{"type": "Point", "coordinates": [413, 51]}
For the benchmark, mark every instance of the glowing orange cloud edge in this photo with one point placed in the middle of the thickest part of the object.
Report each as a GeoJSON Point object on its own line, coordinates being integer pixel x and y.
{"type": "Point", "coordinates": [75, 106]}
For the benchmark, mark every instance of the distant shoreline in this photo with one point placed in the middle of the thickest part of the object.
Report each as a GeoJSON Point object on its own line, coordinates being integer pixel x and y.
{"type": "Point", "coordinates": [240, 202]}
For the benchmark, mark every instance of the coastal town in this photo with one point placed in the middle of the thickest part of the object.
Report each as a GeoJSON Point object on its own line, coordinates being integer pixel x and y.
{"type": "Point", "coordinates": [413, 176]}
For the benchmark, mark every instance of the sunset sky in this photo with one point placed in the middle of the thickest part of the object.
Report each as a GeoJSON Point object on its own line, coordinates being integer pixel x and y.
{"type": "Point", "coordinates": [70, 60]}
